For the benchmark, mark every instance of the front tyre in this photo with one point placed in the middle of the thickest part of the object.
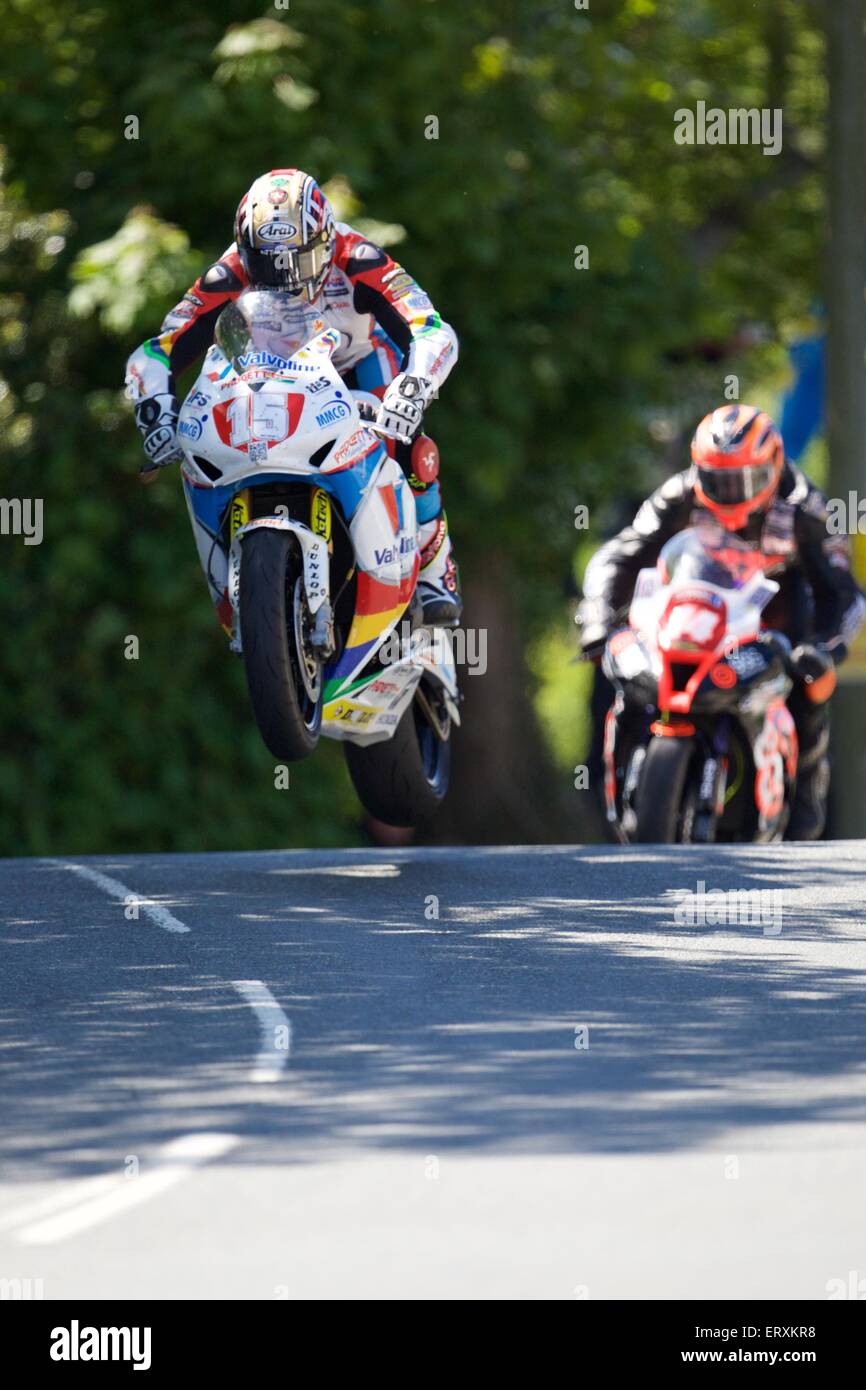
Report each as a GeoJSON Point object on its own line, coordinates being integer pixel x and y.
{"type": "Point", "coordinates": [403, 780]}
{"type": "Point", "coordinates": [666, 801]}
{"type": "Point", "coordinates": [284, 672]}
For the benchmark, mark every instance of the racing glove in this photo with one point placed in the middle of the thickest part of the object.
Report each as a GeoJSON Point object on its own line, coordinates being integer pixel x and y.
{"type": "Point", "coordinates": [402, 410]}
{"type": "Point", "coordinates": [156, 417]}
{"type": "Point", "coordinates": [815, 667]}
{"type": "Point", "coordinates": [596, 620]}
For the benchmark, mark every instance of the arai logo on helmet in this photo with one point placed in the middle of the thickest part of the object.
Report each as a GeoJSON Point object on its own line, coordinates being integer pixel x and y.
{"type": "Point", "coordinates": [276, 231]}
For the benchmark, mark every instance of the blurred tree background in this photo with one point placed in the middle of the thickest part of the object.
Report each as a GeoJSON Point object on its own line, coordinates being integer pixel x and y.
{"type": "Point", "coordinates": [577, 385]}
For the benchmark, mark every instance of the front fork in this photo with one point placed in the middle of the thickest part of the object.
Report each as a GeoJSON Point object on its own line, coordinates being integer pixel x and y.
{"type": "Point", "coordinates": [712, 790]}
{"type": "Point", "coordinates": [619, 807]}
{"type": "Point", "coordinates": [314, 551]}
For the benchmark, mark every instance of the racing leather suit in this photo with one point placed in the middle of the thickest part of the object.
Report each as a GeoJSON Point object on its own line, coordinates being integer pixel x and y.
{"type": "Point", "coordinates": [387, 325]}
{"type": "Point", "coordinates": [818, 600]}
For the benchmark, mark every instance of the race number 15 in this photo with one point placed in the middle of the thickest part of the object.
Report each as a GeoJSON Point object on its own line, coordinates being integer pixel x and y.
{"type": "Point", "coordinates": [261, 418]}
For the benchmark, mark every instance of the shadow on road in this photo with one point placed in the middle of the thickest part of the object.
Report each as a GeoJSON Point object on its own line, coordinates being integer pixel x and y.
{"type": "Point", "coordinates": [441, 1034]}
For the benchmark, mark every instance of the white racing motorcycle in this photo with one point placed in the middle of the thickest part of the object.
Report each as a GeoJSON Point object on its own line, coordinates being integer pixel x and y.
{"type": "Point", "coordinates": [307, 534]}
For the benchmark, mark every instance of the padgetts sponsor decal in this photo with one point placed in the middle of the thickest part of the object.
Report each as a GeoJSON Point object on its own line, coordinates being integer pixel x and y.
{"type": "Point", "coordinates": [356, 447]}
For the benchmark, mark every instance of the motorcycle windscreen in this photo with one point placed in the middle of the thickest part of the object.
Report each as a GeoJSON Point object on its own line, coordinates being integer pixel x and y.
{"type": "Point", "coordinates": [272, 322]}
{"type": "Point", "coordinates": [695, 554]}
{"type": "Point", "coordinates": [711, 555]}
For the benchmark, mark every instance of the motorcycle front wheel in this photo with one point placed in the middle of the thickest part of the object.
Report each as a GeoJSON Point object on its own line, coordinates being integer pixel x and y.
{"type": "Point", "coordinates": [284, 673]}
{"type": "Point", "coordinates": [665, 799]}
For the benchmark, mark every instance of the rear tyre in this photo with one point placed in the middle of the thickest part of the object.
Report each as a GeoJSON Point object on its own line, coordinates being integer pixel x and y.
{"type": "Point", "coordinates": [665, 801]}
{"type": "Point", "coordinates": [284, 673]}
{"type": "Point", "coordinates": [403, 780]}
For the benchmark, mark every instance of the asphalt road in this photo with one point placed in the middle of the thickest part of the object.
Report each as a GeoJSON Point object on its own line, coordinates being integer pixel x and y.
{"type": "Point", "coordinates": [284, 1076]}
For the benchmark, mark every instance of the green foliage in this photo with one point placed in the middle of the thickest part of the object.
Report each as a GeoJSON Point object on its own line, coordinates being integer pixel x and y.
{"type": "Point", "coordinates": [555, 131]}
{"type": "Point", "coordinates": [127, 279]}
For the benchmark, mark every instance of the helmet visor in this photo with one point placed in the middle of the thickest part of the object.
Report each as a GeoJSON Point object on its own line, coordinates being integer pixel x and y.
{"type": "Point", "coordinates": [730, 487]}
{"type": "Point", "coordinates": [289, 267]}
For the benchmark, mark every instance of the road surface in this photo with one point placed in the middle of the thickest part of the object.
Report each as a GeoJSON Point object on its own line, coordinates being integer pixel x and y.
{"type": "Point", "coordinates": [500, 1073]}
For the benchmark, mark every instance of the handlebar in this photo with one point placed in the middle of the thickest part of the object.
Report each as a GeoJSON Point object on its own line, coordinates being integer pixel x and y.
{"type": "Point", "coordinates": [368, 415]}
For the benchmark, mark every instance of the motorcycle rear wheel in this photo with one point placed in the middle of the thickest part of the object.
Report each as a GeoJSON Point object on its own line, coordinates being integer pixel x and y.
{"type": "Point", "coordinates": [403, 780]}
{"type": "Point", "coordinates": [284, 673]}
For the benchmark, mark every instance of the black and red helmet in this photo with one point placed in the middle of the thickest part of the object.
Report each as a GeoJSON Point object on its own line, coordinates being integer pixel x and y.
{"type": "Point", "coordinates": [738, 457]}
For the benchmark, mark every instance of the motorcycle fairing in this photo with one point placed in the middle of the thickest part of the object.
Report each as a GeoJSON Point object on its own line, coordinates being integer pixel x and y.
{"type": "Point", "coordinates": [690, 630]}
{"type": "Point", "coordinates": [300, 407]}
{"type": "Point", "coordinates": [739, 620]}
{"type": "Point", "coordinates": [356, 469]}
{"type": "Point", "coordinates": [369, 709]}
{"type": "Point", "coordinates": [283, 396]}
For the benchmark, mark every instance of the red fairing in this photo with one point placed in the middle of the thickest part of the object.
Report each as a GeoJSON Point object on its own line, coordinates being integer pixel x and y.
{"type": "Point", "coordinates": [691, 631]}
{"type": "Point", "coordinates": [692, 620]}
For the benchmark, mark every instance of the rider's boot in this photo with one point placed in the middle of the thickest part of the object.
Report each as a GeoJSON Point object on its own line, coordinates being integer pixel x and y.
{"type": "Point", "coordinates": [439, 579]}
{"type": "Point", "coordinates": [809, 811]}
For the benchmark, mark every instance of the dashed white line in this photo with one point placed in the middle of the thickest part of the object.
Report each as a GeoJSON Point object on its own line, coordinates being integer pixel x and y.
{"type": "Point", "coordinates": [275, 1026]}
{"type": "Point", "coordinates": [276, 1030]}
{"type": "Point", "coordinates": [115, 889]}
{"type": "Point", "coordinates": [89, 1201]}
{"type": "Point", "coordinates": [66, 1195]}
{"type": "Point", "coordinates": [176, 1161]}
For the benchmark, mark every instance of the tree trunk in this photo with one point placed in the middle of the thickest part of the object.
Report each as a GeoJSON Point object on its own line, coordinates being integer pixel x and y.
{"type": "Point", "coordinates": [505, 787]}
{"type": "Point", "coordinates": [846, 362]}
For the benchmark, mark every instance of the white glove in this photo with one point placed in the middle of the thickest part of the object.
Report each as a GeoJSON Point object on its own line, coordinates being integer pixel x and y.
{"type": "Point", "coordinates": [402, 410]}
{"type": "Point", "coordinates": [156, 417]}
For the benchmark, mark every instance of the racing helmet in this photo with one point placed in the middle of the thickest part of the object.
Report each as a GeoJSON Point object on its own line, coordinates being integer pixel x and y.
{"type": "Point", "coordinates": [284, 233]}
{"type": "Point", "coordinates": [738, 456]}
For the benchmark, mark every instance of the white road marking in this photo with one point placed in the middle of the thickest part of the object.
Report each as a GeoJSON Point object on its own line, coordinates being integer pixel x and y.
{"type": "Point", "coordinates": [78, 1189]}
{"type": "Point", "coordinates": [275, 1025]}
{"type": "Point", "coordinates": [346, 871]}
{"type": "Point", "coordinates": [272, 1058]}
{"type": "Point", "coordinates": [175, 1161]}
{"type": "Point", "coordinates": [115, 889]}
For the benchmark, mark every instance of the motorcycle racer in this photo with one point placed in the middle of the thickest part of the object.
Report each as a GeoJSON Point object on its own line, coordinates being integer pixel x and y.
{"type": "Point", "coordinates": [740, 478]}
{"type": "Point", "coordinates": [393, 343]}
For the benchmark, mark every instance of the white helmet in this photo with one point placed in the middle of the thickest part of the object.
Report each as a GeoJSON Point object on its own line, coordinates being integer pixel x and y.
{"type": "Point", "coordinates": [284, 231]}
